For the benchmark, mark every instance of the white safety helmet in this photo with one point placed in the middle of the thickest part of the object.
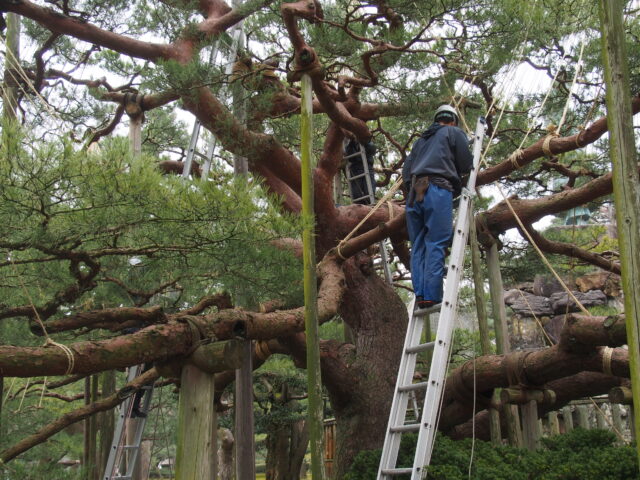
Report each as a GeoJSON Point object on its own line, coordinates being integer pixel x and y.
{"type": "Point", "coordinates": [446, 112]}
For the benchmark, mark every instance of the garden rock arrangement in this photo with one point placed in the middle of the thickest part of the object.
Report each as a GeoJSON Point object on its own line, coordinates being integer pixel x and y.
{"type": "Point", "coordinates": [544, 302]}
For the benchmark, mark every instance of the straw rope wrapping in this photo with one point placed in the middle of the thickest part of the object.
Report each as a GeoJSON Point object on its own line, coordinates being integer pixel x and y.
{"type": "Point", "coordinates": [607, 354]}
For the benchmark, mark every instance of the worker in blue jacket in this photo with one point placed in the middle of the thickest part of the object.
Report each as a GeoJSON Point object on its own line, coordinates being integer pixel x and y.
{"type": "Point", "coordinates": [432, 174]}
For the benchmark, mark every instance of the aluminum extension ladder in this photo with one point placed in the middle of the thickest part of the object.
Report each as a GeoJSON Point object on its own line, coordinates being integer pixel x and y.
{"type": "Point", "coordinates": [368, 196]}
{"type": "Point", "coordinates": [433, 388]}
{"type": "Point", "coordinates": [237, 41]}
{"type": "Point", "coordinates": [123, 456]}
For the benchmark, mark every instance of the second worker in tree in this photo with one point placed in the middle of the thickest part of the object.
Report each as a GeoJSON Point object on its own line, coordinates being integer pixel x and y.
{"type": "Point", "coordinates": [432, 174]}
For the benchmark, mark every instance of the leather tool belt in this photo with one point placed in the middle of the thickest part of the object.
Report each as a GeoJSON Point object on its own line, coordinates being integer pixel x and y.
{"type": "Point", "coordinates": [419, 187]}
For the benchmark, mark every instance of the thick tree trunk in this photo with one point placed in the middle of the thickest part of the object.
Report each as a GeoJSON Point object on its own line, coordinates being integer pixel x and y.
{"type": "Point", "coordinates": [378, 319]}
{"type": "Point", "coordinates": [286, 446]}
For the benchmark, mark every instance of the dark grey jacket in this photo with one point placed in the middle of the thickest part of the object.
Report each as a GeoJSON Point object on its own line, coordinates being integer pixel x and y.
{"type": "Point", "coordinates": [442, 150]}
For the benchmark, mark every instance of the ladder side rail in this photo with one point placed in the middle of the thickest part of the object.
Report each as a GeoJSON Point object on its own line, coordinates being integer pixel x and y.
{"type": "Point", "coordinates": [209, 158]}
{"type": "Point", "coordinates": [399, 402]}
{"type": "Point", "coordinates": [115, 452]}
{"type": "Point", "coordinates": [372, 201]}
{"type": "Point", "coordinates": [237, 40]}
{"type": "Point", "coordinates": [195, 134]}
{"type": "Point", "coordinates": [186, 168]}
{"type": "Point", "coordinates": [140, 424]}
{"type": "Point", "coordinates": [367, 173]}
{"type": "Point", "coordinates": [440, 359]}
{"type": "Point", "coordinates": [385, 262]}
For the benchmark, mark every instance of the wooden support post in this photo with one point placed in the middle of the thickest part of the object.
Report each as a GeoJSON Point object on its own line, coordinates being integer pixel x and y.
{"type": "Point", "coordinates": [244, 433]}
{"type": "Point", "coordinates": [497, 300]}
{"type": "Point", "coordinates": [106, 419]}
{"type": "Point", "coordinates": [567, 417]}
{"type": "Point", "coordinates": [616, 418]}
{"type": "Point", "coordinates": [196, 444]}
{"type": "Point", "coordinates": [86, 434]}
{"type": "Point", "coordinates": [583, 417]}
{"type": "Point", "coordinates": [314, 383]}
{"type": "Point", "coordinates": [530, 425]}
{"type": "Point", "coordinates": [144, 461]}
{"type": "Point", "coordinates": [93, 431]}
{"type": "Point", "coordinates": [601, 422]}
{"type": "Point", "coordinates": [554, 423]}
{"type": "Point", "coordinates": [512, 419]}
{"type": "Point", "coordinates": [133, 108]}
{"type": "Point", "coordinates": [626, 182]}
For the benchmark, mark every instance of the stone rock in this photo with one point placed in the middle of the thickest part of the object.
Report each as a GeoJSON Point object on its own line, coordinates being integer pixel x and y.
{"type": "Point", "coordinates": [525, 287]}
{"type": "Point", "coordinates": [511, 296]}
{"type": "Point", "coordinates": [561, 303]}
{"type": "Point", "coordinates": [546, 285]}
{"type": "Point", "coordinates": [526, 304]}
{"type": "Point", "coordinates": [608, 282]}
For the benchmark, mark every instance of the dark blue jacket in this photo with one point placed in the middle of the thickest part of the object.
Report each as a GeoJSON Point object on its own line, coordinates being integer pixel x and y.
{"type": "Point", "coordinates": [442, 150]}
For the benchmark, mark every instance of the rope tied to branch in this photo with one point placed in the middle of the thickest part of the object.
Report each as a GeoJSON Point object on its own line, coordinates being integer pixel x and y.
{"type": "Point", "coordinates": [71, 361]}
{"type": "Point", "coordinates": [384, 199]}
{"type": "Point", "coordinates": [514, 368]}
{"type": "Point", "coordinates": [515, 156]}
{"type": "Point", "coordinates": [262, 350]}
{"type": "Point", "coordinates": [607, 355]}
{"type": "Point", "coordinates": [546, 144]}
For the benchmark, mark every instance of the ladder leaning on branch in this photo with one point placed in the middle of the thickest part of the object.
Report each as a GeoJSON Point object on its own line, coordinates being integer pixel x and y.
{"type": "Point", "coordinates": [433, 389]}
{"type": "Point", "coordinates": [123, 455]}
{"type": "Point", "coordinates": [237, 42]}
{"type": "Point", "coordinates": [364, 195]}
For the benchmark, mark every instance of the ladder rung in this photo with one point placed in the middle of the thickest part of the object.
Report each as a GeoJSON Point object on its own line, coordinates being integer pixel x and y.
{"type": "Point", "coordinates": [421, 348]}
{"type": "Point", "coordinates": [351, 155]}
{"type": "Point", "coordinates": [130, 447]}
{"type": "Point", "coordinates": [420, 312]}
{"type": "Point", "coordinates": [361, 198]}
{"type": "Point", "coordinates": [357, 176]}
{"type": "Point", "coordinates": [414, 386]}
{"type": "Point", "coordinates": [411, 427]}
{"type": "Point", "coordinates": [397, 471]}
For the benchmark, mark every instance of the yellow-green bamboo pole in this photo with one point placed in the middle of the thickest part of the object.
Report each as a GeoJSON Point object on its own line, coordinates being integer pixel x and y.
{"type": "Point", "coordinates": [626, 183]}
{"type": "Point", "coordinates": [314, 413]}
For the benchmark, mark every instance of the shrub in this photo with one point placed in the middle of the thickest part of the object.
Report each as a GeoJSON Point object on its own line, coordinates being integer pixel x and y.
{"type": "Point", "coordinates": [579, 455]}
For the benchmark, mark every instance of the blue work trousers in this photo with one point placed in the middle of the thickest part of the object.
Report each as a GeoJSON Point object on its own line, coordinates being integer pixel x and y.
{"type": "Point", "coordinates": [430, 228]}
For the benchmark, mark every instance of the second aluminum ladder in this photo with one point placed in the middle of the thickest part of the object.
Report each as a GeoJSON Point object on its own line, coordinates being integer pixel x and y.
{"type": "Point", "coordinates": [434, 387]}
{"type": "Point", "coordinates": [361, 154]}
{"type": "Point", "coordinates": [122, 456]}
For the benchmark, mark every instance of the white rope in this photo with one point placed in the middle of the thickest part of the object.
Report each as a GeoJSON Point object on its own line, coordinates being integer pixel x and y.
{"type": "Point", "coordinates": [575, 79]}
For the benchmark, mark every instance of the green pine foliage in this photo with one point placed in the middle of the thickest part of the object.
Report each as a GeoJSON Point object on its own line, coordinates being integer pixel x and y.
{"type": "Point", "coordinates": [142, 228]}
